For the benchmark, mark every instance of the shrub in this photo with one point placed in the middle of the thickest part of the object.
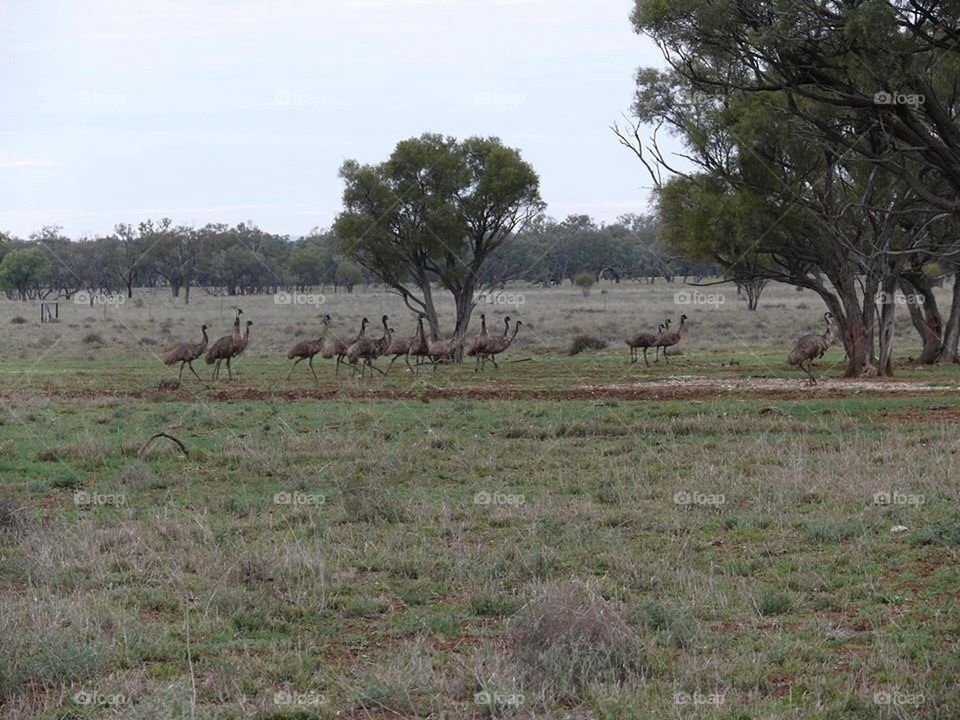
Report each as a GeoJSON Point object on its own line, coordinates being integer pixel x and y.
{"type": "Point", "coordinates": [93, 339]}
{"type": "Point", "coordinates": [568, 638]}
{"type": "Point", "coordinates": [945, 532]}
{"type": "Point", "coordinates": [11, 518]}
{"type": "Point", "coordinates": [828, 532]}
{"type": "Point", "coordinates": [18, 320]}
{"type": "Point", "coordinates": [366, 500]}
{"type": "Point", "coordinates": [586, 342]}
{"type": "Point", "coordinates": [677, 627]}
{"type": "Point", "coordinates": [584, 281]}
{"type": "Point", "coordinates": [774, 603]}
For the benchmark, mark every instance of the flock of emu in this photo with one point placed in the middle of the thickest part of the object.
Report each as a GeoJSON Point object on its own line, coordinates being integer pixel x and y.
{"type": "Point", "coordinates": [362, 350]}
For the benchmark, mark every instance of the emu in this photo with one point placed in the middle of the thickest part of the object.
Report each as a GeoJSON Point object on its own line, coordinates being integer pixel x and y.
{"type": "Point", "coordinates": [643, 341]}
{"type": "Point", "coordinates": [812, 346]}
{"type": "Point", "coordinates": [186, 353]}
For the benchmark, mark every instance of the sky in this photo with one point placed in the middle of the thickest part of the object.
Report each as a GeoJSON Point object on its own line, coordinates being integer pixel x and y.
{"type": "Point", "coordinates": [236, 110]}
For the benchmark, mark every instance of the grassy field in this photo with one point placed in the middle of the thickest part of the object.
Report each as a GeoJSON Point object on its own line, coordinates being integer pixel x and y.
{"type": "Point", "coordinates": [565, 537]}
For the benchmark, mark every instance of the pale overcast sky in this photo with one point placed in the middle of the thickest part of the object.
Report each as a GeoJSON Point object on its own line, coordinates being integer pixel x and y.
{"type": "Point", "coordinates": [229, 110]}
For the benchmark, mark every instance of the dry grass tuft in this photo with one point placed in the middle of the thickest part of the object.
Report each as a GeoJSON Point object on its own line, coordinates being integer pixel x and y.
{"type": "Point", "coordinates": [585, 342]}
{"type": "Point", "coordinates": [569, 637]}
{"type": "Point", "coordinates": [367, 499]}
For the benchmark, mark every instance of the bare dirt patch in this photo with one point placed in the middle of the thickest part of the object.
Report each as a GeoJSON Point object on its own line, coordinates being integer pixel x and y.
{"type": "Point", "coordinates": [674, 388]}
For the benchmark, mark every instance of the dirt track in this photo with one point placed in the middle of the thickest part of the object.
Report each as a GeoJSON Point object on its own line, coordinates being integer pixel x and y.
{"type": "Point", "coordinates": [678, 388]}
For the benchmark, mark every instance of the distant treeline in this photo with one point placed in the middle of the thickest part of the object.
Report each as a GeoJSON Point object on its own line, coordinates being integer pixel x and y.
{"type": "Point", "coordinates": [243, 259]}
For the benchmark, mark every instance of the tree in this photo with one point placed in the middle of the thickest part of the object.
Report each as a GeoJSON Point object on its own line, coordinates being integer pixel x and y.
{"type": "Point", "coordinates": [348, 274]}
{"type": "Point", "coordinates": [130, 255]}
{"type": "Point", "coordinates": [436, 210]}
{"type": "Point", "coordinates": [306, 265]}
{"type": "Point", "coordinates": [777, 112]}
{"type": "Point", "coordinates": [23, 272]}
{"type": "Point", "coordinates": [584, 281]}
{"type": "Point", "coordinates": [174, 253]}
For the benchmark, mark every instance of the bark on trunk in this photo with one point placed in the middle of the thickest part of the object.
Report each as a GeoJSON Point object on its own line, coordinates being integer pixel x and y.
{"type": "Point", "coordinates": [429, 309]}
{"type": "Point", "coordinates": [887, 313]}
{"type": "Point", "coordinates": [929, 335]}
{"type": "Point", "coordinates": [948, 351]}
{"type": "Point", "coordinates": [464, 304]}
{"type": "Point", "coordinates": [853, 330]}
{"type": "Point", "coordinates": [932, 318]}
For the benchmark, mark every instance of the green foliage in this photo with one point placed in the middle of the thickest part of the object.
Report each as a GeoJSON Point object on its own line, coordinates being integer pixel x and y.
{"type": "Point", "coordinates": [23, 271]}
{"type": "Point", "coordinates": [584, 281]}
{"type": "Point", "coordinates": [436, 209]}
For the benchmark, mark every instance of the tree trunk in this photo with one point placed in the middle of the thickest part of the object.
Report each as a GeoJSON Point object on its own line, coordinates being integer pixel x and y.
{"type": "Point", "coordinates": [429, 309]}
{"type": "Point", "coordinates": [853, 330]}
{"type": "Point", "coordinates": [464, 303]}
{"type": "Point", "coordinates": [930, 324]}
{"type": "Point", "coordinates": [929, 336]}
{"type": "Point", "coordinates": [948, 351]}
{"type": "Point", "coordinates": [887, 314]}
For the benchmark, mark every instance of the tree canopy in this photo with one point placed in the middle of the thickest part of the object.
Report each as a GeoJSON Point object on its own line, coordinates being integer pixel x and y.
{"type": "Point", "coordinates": [436, 210]}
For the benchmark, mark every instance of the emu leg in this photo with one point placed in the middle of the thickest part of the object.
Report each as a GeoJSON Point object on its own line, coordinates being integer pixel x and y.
{"type": "Point", "coordinates": [190, 364]}
{"type": "Point", "coordinates": [180, 376]}
{"type": "Point", "coordinates": [310, 363]}
{"type": "Point", "coordinates": [229, 371]}
{"type": "Point", "coordinates": [645, 361]}
{"type": "Point", "coordinates": [293, 366]}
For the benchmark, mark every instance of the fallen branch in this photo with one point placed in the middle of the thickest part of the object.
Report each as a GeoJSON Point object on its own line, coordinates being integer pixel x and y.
{"type": "Point", "coordinates": [183, 448]}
